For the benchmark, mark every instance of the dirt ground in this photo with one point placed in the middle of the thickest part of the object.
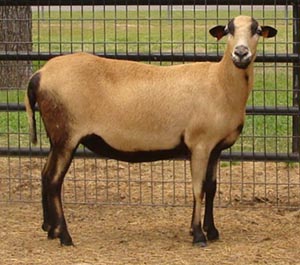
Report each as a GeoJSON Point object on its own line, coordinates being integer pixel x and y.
{"type": "Point", "coordinates": [149, 235]}
{"type": "Point", "coordinates": [257, 214]}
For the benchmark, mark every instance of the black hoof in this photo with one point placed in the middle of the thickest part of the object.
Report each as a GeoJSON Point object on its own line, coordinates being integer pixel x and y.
{"type": "Point", "coordinates": [200, 244]}
{"type": "Point", "coordinates": [199, 238]}
{"type": "Point", "coordinates": [212, 234]}
{"type": "Point", "coordinates": [65, 239]}
{"type": "Point", "coordinates": [66, 242]}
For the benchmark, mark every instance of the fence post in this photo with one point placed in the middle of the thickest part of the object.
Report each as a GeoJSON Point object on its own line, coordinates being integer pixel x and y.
{"type": "Point", "coordinates": [296, 77]}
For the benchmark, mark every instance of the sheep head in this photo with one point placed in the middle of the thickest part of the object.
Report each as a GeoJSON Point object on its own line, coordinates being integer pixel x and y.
{"type": "Point", "coordinates": [243, 34]}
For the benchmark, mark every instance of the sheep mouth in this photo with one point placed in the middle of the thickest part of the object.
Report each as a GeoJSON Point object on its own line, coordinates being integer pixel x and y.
{"type": "Point", "coordinates": [241, 64]}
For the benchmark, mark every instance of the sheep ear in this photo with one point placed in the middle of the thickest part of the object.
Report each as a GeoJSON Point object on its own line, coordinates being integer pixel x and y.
{"type": "Point", "coordinates": [218, 32]}
{"type": "Point", "coordinates": [268, 32]}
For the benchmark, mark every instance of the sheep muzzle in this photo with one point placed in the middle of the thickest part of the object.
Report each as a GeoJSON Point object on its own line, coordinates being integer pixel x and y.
{"type": "Point", "coordinates": [241, 56]}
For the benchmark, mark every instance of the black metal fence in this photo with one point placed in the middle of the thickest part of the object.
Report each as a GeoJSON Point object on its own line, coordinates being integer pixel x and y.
{"type": "Point", "coordinates": [159, 32]}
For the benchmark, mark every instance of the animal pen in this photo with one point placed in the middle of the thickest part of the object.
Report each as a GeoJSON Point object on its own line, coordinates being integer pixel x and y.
{"type": "Point", "coordinates": [261, 169]}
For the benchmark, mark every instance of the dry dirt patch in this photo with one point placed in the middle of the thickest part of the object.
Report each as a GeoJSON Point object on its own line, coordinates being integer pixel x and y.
{"type": "Point", "coordinates": [149, 235]}
{"type": "Point", "coordinates": [252, 229]}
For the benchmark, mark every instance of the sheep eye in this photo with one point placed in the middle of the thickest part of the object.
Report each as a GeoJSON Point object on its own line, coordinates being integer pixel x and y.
{"type": "Point", "coordinates": [259, 31]}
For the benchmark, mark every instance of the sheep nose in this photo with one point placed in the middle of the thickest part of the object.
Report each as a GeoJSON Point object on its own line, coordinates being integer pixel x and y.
{"type": "Point", "coordinates": [241, 52]}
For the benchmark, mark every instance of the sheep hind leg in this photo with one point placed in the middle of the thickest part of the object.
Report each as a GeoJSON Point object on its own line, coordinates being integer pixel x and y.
{"type": "Point", "coordinates": [209, 188]}
{"type": "Point", "coordinates": [53, 174]}
{"type": "Point", "coordinates": [46, 226]}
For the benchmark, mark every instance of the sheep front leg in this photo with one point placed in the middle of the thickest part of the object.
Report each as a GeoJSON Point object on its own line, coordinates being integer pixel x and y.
{"type": "Point", "coordinates": [199, 163]}
{"type": "Point", "coordinates": [209, 188]}
{"type": "Point", "coordinates": [53, 174]}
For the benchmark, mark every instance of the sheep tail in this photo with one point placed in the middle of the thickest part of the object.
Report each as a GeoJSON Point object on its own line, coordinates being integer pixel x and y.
{"type": "Point", "coordinates": [30, 101]}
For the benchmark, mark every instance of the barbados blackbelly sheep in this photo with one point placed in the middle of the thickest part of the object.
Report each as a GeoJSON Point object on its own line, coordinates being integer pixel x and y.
{"type": "Point", "coordinates": [138, 112]}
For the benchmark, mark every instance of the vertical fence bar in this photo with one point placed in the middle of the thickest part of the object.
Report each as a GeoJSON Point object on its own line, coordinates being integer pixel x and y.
{"type": "Point", "coordinates": [296, 76]}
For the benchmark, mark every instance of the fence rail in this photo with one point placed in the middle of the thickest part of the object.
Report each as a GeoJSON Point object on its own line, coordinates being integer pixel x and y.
{"type": "Point", "coordinates": [147, 2]}
{"type": "Point", "coordinates": [153, 57]}
{"type": "Point", "coordinates": [226, 156]}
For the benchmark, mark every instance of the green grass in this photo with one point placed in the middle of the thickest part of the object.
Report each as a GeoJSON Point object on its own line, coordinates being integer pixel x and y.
{"type": "Point", "coordinates": [153, 32]}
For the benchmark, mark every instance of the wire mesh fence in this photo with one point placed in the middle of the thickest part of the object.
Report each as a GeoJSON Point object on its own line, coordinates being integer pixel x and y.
{"type": "Point", "coordinates": [262, 168]}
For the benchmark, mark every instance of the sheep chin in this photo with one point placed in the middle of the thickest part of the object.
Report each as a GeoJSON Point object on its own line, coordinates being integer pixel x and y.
{"type": "Point", "coordinates": [242, 65]}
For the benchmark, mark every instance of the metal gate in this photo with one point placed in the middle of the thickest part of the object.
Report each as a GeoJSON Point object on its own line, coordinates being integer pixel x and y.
{"type": "Point", "coordinates": [262, 167]}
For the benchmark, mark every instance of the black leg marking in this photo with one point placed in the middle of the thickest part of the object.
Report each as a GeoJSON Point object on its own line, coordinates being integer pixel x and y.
{"type": "Point", "coordinates": [46, 226]}
{"type": "Point", "coordinates": [54, 172]}
{"type": "Point", "coordinates": [209, 226]}
{"type": "Point", "coordinates": [209, 188]}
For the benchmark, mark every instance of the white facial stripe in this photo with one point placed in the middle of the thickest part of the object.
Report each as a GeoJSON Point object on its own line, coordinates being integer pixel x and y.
{"type": "Point", "coordinates": [241, 54]}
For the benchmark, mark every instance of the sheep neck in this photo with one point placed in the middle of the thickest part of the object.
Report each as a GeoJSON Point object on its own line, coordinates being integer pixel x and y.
{"type": "Point", "coordinates": [237, 82]}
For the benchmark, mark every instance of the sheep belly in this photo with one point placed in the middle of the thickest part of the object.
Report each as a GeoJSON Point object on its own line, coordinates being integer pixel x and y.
{"type": "Point", "coordinates": [97, 145]}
